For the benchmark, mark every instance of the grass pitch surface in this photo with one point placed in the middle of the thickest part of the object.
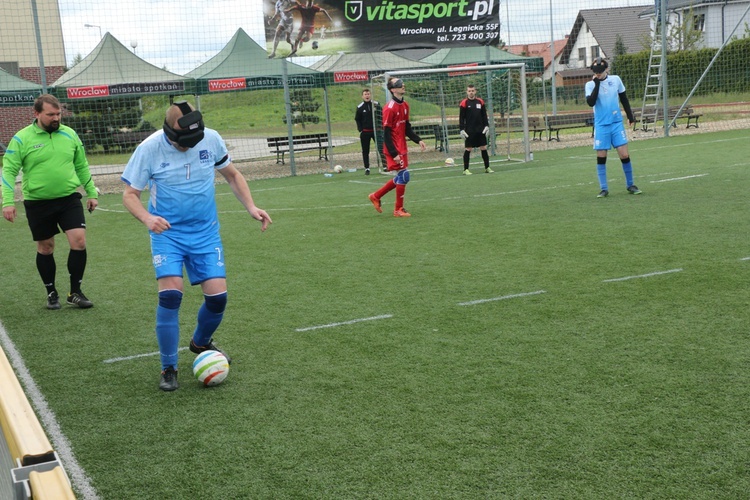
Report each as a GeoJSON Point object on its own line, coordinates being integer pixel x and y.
{"type": "Point", "coordinates": [516, 337]}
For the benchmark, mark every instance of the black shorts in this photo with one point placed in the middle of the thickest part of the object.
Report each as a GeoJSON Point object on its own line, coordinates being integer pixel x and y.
{"type": "Point", "coordinates": [476, 140]}
{"type": "Point", "coordinates": [45, 216]}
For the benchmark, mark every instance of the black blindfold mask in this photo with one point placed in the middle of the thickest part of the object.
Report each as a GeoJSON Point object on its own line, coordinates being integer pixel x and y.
{"type": "Point", "coordinates": [191, 127]}
{"type": "Point", "coordinates": [395, 84]}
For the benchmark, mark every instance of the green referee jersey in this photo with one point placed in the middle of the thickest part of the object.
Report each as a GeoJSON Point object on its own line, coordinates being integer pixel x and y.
{"type": "Point", "coordinates": [53, 164]}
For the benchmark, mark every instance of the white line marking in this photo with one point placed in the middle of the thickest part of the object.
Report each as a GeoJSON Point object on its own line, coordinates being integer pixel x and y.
{"type": "Point", "coordinates": [679, 178]}
{"type": "Point", "coordinates": [350, 322]}
{"type": "Point", "coordinates": [514, 296]}
{"type": "Point", "coordinates": [77, 475]}
{"type": "Point", "coordinates": [136, 356]}
{"type": "Point", "coordinates": [745, 258]}
{"type": "Point", "coordinates": [643, 275]}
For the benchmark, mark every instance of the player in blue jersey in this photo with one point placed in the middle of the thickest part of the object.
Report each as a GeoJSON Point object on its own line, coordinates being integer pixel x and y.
{"type": "Point", "coordinates": [177, 164]}
{"type": "Point", "coordinates": [604, 93]}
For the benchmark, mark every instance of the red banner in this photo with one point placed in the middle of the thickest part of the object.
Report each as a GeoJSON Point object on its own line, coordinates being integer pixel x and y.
{"type": "Point", "coordinates": [350, 76]}
{"type": "Point", "coordinates": [227, 84]}
{"type": "Point", "coordinates": [88, 92]}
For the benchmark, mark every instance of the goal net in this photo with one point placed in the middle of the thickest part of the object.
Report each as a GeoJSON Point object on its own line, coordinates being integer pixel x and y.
{"type": "Point", "coordinates": [434, 96]}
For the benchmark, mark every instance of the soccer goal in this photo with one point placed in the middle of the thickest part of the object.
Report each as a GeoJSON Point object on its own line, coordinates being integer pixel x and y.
{"type": "Point", "coordinates": [434, 96]}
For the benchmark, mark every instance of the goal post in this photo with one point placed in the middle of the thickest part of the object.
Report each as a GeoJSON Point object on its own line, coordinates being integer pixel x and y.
{"type": "Point", "coordinates": [434, 96]}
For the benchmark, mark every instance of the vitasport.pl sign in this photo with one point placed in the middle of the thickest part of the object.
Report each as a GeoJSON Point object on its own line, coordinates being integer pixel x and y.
{"type": "Point", "coordinates": [332, 26]}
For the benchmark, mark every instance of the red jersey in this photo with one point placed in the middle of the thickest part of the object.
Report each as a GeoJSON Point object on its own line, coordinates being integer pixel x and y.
{"type": "Point", "coordinates": [308, 15]}
{"type": "Point", "coordinates": [395, 116]}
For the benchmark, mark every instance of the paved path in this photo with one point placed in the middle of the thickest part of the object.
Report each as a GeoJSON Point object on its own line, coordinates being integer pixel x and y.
{"type": "Point", "coordinates": [240, 148]}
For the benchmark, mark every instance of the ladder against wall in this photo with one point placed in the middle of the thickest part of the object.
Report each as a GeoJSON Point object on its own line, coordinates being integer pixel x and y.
{"type": "Point", "coordinates": [653, 90]}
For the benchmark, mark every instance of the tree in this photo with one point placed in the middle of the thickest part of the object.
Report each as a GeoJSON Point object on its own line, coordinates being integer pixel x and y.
{"type": "Point", "coordinates": [96, 120]}
{"type": "Point", "coordinates": [687, 35]}
{"type": "Point", "coordinates": [619, 50]}
{"type": "Point", "coordinates": [302, 105]}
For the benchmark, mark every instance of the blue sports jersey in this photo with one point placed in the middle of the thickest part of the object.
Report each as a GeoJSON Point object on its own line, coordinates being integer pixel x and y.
{"type": "Point", "coordinates": [607, 108]}
{"type": "Point", "coordinates": [181, 184]}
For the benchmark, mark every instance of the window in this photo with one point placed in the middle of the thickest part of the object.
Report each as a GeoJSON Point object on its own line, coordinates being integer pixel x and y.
{"type": "Point", "coordinates": [582, 56]}
{"type": "Point", "coordinates": [10, 67]}
{"type": "Point", "coordinates": [594, 52]}
{"type": "Point", "coordinates": [699, 22]}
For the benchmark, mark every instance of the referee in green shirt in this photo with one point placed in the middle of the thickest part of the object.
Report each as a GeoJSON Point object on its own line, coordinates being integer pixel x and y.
{"type": "Point", "coordinates": [51, 157]}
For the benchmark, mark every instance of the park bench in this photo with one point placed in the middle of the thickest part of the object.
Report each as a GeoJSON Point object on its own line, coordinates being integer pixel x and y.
{"type": "Point", "coordinates": [305, 142]}
{"type": "Point", "coordinates": [430, 131]}
{"type": "Point", "coordinates": [440, 135]}
{"type": "Point", "coordinates": [515, 124]}
{"type": "Point", "coordinates": [556, 123]}
{"type": "Point", "coordinates": [688, 113]}
{"type": "Point", "coordinates": [128, 141]}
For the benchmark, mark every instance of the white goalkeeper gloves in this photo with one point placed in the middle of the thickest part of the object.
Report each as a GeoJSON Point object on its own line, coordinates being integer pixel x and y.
{"type": "Point", "coordinates": [464, 134]}
{"type": "Point", "coordinates": [485, 130]}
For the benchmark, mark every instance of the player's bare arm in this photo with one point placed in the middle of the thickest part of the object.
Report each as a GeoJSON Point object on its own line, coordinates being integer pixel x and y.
{"type": "Point", "coordinates": [242, 191]}
{"type": "Point", "coordinates": [131, 199]}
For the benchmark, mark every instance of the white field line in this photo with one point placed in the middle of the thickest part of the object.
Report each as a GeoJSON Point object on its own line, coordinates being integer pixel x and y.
{"type": "Point", "coordinates": [350, 322]}
{"type": "Point", "coordinates": [77, 475]}
{"type": "Point", "coordinates": [136, 356]}
{"type": "Point", "coordinates": [745, 258]}
{"type": "Point", "coordinates": [657, 273]}
{"type": "Point", "coordinates": [679, 178]}
{"type": "Point", "coordinates": [504, 297]}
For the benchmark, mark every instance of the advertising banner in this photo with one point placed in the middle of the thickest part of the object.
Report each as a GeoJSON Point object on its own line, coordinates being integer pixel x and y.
{"type": "Point", "coordinates": [309, 27]}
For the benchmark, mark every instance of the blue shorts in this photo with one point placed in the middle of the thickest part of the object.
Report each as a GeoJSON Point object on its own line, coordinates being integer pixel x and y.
{"type": "Point", "coordinates": [202, 263]}
{"type": "Point", "coordinates": [609, 136]}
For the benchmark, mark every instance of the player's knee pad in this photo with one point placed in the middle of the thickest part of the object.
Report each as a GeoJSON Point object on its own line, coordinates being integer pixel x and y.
{"type": "Point", "coordinates": [601, 160]}
{"type": "Point", "coordinates": [402, 177]}
{"type": "Point", "coordinates": [170, 299]}
{"type": "Point", "coordinates": [216, 303]}
{"type": "Point", "coordinates": [625, 160]}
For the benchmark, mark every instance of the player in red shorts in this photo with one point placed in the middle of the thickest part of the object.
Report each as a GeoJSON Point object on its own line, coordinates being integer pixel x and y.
{"type": "Point", "coordinates": [396, 128]}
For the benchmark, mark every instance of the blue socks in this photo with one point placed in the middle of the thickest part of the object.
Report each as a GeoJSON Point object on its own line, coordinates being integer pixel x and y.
{"type": "Point", "coordinates": [627, 168]}
{"type": "Point", "coordinates": [168, 326]}
{"type": "Point", "coordinates": [210, 315]}
{"type": "Point", "coordinates": [601, 171]}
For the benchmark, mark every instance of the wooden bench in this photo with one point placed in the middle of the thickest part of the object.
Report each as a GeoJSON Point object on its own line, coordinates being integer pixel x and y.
{"type": "Point", "coordinates": [556, 123]}
{"type": "Point", "coordinates": [430, 131]}
{"type": "Point", "coordinates": [691, 115]}
{"type": "Point", "coordinates": [441, 135]}
{"type": "Point", "coordinates": [128, 141]}
{"type": "Point", "coordinates": [306, 142]}
{"type": "Point", "coordinates": [515, 124]}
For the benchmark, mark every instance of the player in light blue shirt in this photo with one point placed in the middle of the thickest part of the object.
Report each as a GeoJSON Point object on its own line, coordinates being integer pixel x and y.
{"type": "Point", "coordinates": [178, 165]}
{"type": "Point", "coordinates": [604, 93]}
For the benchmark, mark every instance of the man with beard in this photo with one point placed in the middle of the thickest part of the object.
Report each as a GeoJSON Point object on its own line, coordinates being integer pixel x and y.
{"type": "Point", "coordinates": [51, 157]}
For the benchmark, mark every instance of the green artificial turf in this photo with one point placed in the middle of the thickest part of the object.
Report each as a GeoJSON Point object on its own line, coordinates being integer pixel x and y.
{"type": "Point", "coordinates": [515, 338]}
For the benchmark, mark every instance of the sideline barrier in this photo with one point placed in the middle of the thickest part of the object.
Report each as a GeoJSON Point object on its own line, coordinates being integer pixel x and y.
{"type": "Point", "coordinates": [30, 449]}
{"type": "Point", "coordinates": [52, 484]}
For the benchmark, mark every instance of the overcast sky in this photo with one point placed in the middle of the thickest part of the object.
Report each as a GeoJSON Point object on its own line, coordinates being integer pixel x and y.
{"type": "Point", "coordinates": [181, 35]}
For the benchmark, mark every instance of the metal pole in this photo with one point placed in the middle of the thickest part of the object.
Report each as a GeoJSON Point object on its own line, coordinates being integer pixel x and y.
{"type": "Point", "coordinates": [490, 106]}
{"type": "Point", "coordinates": [525, 109]}
{"type": "Point", "coordinates": [552, 60]}
{"type": "Point", "coordinates": [663, 69]}
{"type": "Point", "coordinates": [289, 124]}
{"type": "Point", "coordinates": [40, 51]}
{"type": "Point", "coordinates": [328, 125]}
